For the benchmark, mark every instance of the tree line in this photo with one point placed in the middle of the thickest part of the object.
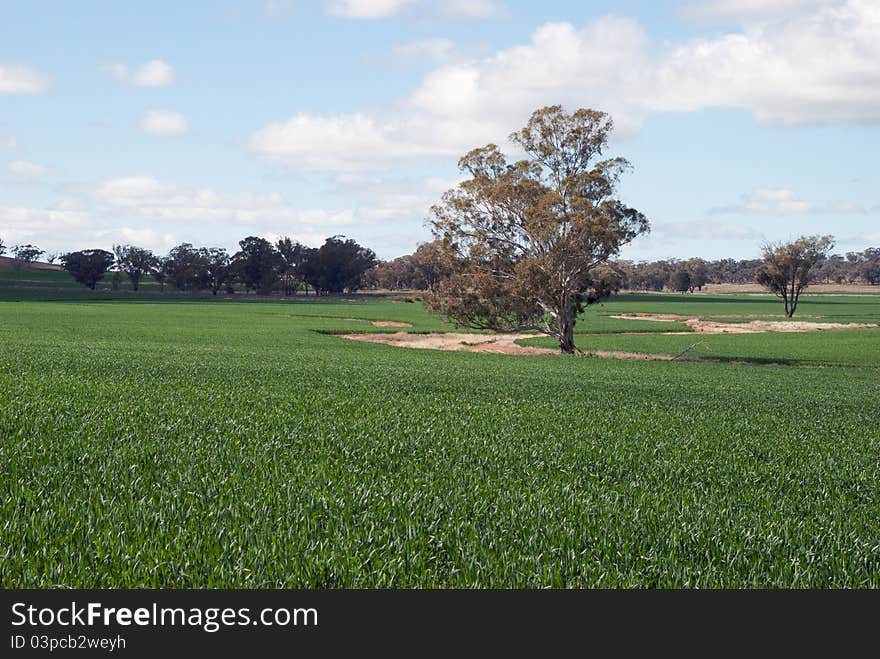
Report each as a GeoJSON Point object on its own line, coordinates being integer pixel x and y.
{"type": "Point", "coordinates": [259, 265]}
{"type": "Point", "coordinates": [422, 270]}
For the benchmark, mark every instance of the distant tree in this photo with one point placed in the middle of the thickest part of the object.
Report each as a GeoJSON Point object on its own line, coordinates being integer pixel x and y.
{"type": "Point", "coordinates": [51, 257]}
{"type": "Point", "coordinates": [2, 247]}
{"type": "Point", "coordinates": [87, 266]}
{"type": "Point", "coordinates": [338, 265]}
{"type": "Point", "coordinates": [135, 262]}
{"type": "Point", "coordinates": [217, 267]}
{"type": "Point", "coordinates": [788, 268]}
{"type": "Point", "coordinates": [182, 267]}
{"type": "Point", "coordinates": [258, 264]}
{"type": "Point", "coordinates": [429, 266]}
{"type": "Point", "coordinates": [27, 254]}
{"type": "Point", "coordinates": [869, 268]}
{"type": "Point", "coordinates": [161, 272]}
{"type": "Point", "coordinates": [680, 281]}
{"type": "Point", "coordinates": [294, 256]}
{"type": "Point", "coordinates": [698, 272]}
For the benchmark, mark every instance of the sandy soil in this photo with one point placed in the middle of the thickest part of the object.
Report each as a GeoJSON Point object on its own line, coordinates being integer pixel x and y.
{"type": "Point", "coordinates": [457, 341]}
{"type": "Point", "coordinates": [506, 343]}
{"type": "Point", "coordinates": [389, 323]}
{"type": "Point", "coordinates": [698, 325]}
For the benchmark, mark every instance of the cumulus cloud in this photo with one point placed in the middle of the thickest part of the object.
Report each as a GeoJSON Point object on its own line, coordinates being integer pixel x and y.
{"type": "Point", "coordinates": [782, 201]}
{"type": "Point", "coordinates": [163, 122]}
{"type": "Point", "coordinates": [25, 168]}
{"type": "Point", "coordinates": [767, 201]}
{"type": "Point", "coordinates": [338, 143]}
{"type": "Point", "coordinates": [22, 80]}
{"type": "Point", "coordinates": [814, 66]}
{"type": "Point", "coordinates": [148, 238]}
{"type": "Point", "coordinates": [22, 224]}
{"type": "Point", "coordinates": [154, 73]}
{"type": "Point", "coordinates": [748, 11]}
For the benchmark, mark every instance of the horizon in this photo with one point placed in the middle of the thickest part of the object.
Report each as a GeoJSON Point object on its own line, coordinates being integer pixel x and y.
{"type": "Point", "coordinates": [745, 122]}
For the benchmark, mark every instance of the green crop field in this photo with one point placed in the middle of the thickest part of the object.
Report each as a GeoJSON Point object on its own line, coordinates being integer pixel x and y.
{"type": "Point", "coordinates": [220, 444]}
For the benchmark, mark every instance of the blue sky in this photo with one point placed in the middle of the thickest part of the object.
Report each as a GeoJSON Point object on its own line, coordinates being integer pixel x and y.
{"type": "Point", "coordinates": [166, 122]}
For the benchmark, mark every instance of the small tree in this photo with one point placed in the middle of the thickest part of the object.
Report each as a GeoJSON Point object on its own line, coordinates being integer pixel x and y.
{"type": "Point", "coordinates": [27, 254]}
{"type": "Point", "coordinates": [258, 264]}
{"type": "Point", "coordinates": [161, 273]}
{"type": "Point", "coordinates": [524, 239]}
{"type": "Point", "coordinates": [87, 266]}
{"type": "Point", "coordinates": [788, 268]}
{"type": "Point", "coordinates": [2, 247]}
{"type": "Point", "coordinates": [294, 255]}
{"type": "Point", "coordinates": [181, 266]}
{"type": "Point", "coordinates": [698, 272]}
{"type": "Point", "coordinates": [338, 265]}
{"type": "Point", "coordinates": [135, 262]}
{"type": "Point", "coordinates": [680, 281]}
{"type": "Point", "coordinates": [217, 266]}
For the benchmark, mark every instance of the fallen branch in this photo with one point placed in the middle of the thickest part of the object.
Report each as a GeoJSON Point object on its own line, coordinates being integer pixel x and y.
{"type": "Point", "coordinates": [686, 350]}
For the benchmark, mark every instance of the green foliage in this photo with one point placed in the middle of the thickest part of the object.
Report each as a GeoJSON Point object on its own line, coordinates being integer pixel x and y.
{"type": "Point", "coordinates": [88, 266]}
{"type": "Point", "coordinates": [680, 281]}
{"type": "Point", "coordinates": [338, 265]}
{"type": "Point", "coordinates": [236, 445]}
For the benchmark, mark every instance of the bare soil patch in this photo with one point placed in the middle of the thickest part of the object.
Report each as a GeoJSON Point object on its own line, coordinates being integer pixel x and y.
{"type": "Point", "coordinates": [456, 341]}
{"type": "Point", "coordinates": [698, 325]}
{"type": "Point", "coordinates": [389, 323]}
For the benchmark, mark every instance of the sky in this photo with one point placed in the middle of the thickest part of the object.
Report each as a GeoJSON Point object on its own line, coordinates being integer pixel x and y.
{"type": "Point", "coordinates": [156, 123]}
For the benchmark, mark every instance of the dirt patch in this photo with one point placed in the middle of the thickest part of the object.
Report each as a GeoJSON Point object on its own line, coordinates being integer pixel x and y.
{"type": "Point", "coordinates": [456, 341]}
{"type": "Point", "coordinates": [389, 323]}
{"type": "Point", "coordinates": [698, 325]}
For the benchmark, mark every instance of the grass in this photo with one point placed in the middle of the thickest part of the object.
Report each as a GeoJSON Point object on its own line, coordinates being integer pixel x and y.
{"type": "Point", "coordinates": [217, 445]}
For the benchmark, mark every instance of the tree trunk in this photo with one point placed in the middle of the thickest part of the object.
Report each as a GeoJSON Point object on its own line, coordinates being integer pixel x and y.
{"type": "Point", "coordinates": [566, 331]}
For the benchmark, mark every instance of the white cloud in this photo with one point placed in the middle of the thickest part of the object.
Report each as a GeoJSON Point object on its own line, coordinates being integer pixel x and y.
{"type": "Point", "coordinates": [151, 199]}
{"type": "Point", "coordinates": [25, 168]}
{"type": "Point", "coordinates": [22, 80]}
{"type": "Point", "coordinates": [471, 10]}
{"type": "Point", "coordinates": [768, 201]}
{"type": "Point", "coordinates": [340, 143]}
{"type": "Point", "coordinates": [816, 66]}
{"type": "Point", "coordinates": [163, 122]}
{"type": "Point", "coordinates": [8, 142]}
{"type": "Point", "coordinates": [155, 73]}
{"type": "Point", "coordinates": [23, 224]}
{"type": "Point", "coordinates": [366, 8]}
{"type": "Point", "coordinates": [147, 238]}
{"type": "Point", "coordinates": [747, 11]}
{"type": "Point", "coordinates": [436, 50]}
{"type": "Point", "coordinates": [782, 201]}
